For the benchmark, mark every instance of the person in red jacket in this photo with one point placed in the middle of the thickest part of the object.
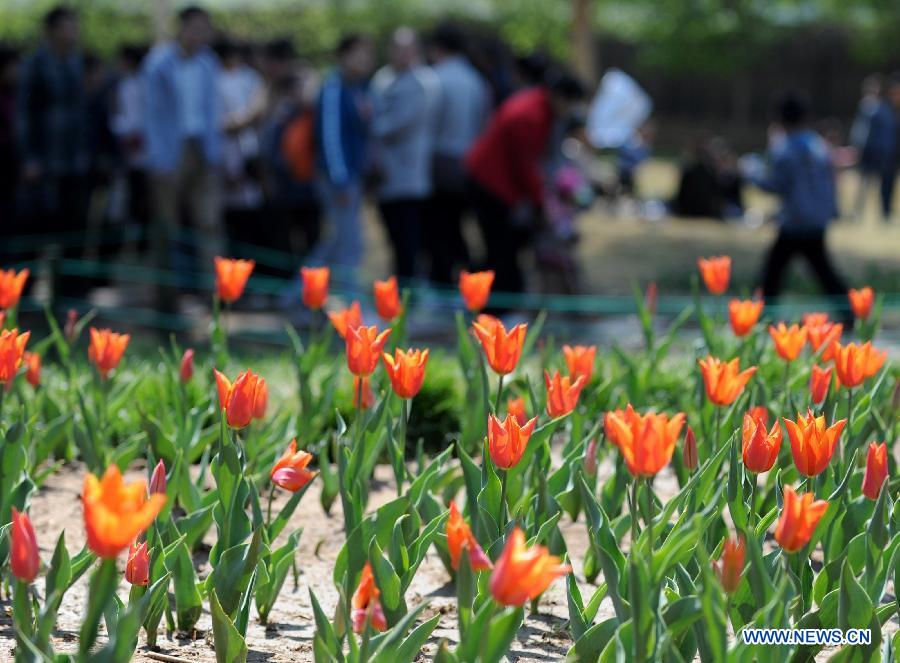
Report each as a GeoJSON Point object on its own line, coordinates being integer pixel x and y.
{"type": "Point", "coordinates": [505, 166]}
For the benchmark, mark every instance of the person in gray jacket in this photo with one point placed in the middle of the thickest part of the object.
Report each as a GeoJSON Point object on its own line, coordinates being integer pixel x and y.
{"type": "Point", "coordinates": [404, 97]}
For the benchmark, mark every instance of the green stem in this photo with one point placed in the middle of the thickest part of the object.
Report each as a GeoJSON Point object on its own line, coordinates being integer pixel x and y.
{"type": "Point", "coordinates": [405, 407]}
{"type": "Point", "coordinates": [751, 518]}
{"type": "Point", "coordinates": [359, 410]}
{"type": "Point", "coordinates": [269, 506]}
{"type": "Point", "coordinates": [632, 507]}
{"type": "Point", "coordinates": [499, 394]}
{"type": "Point", "coordinates": [503, 518]}
{"type": "Point", "coordinates": [849, 425]}
{"type": "Point", "coordinates": [718, 427]}
{"type": "Point", "coordinates": [787, 374]}
{"type": "Point", "coordinates": [649, 523]}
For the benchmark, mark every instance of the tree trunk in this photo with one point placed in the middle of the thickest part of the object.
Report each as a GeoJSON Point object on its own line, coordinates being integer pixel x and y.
{"type": "Point", "coordinates": [584, 51]}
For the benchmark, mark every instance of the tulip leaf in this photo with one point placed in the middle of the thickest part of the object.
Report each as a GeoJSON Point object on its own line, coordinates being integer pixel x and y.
{"type": "Point", "coordinates": [855, 609]}
{"type": "Point", "coordinates": [229, 643]}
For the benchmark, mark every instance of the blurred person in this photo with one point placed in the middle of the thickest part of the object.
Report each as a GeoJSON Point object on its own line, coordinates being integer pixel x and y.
{"type": "Point", "coordinates": [404, 101]}
{"type": "Point", "coordinates": [342, 127]}
{"type": "Point", "coordinates": [889, 175]}
{"type": "Point", "coordinates": [802, 175]}
{"type": "Point", "coordinates": [505, 166]}
{"type": "Point", "coordinates": [53, 139]}
{"type": "Point", "coordinates": [9, 157]}
{"type": "Point", "coordinates": [632, 153]}
{"type": "Point", "coordinates": [710, 185]}
{"type": "Point", "coordinates": [461, 114]}
{"type": "Point", "coordinates": [183, 131]}
{"type": "Point", "coordinates": [873, 134]}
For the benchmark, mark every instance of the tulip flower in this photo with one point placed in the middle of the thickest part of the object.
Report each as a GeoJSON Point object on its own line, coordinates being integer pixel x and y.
{"type": "Point", "coordinates": [475, 288]}
{"type": "Point", "coordinates": [186, 370]}
{"type": "Point", "coordinates": [137, 568]}
{"type": "Point", "coordinates": [855, 364]}
{"type": "Point", "coordinates": [507, 440]}
{"type": "Point", "coordinates": [12, 353]}
{"type": "Point", "coordinates": [789, 341]}
{"type": "Point", "coordinates": [861, 301]}
{"type": "Point", "coordinates": [231, 278]}
{"type": "Point", "coordinates": [819, 383]}
{"type": "Point", "coordinates": [459, 536]}
{"type": "Point", "coordinates": [731, 565]}
{"type": "Point", "coordinates": [362, 390]}
{"type": "Point", "coordinates": [812, 442]}
{"type": "Point", "coordinates": [70, 331]}
{"type": "Point", "coordinates": [290, 472]}
{"type": "Point", "coordinates": [716, 273]}
{"type": "Point", "coordinates": [32, 362]}
{"type": "Point", "coordinates": [106, 349]}
{"type": "Point", "coordinates": [521, 573]}
{"type": "Point", "coordinates": [315, 286]}
{"type": "Point", "coordinates": [364, 346]}
{"type": "Point", "coordinates": [758, 447]}
{"type": "Point", "coordinates": [689, 454]}
{"type": "Point", "coordinates": [349, 318]}
{"type": "Point", "coordinates": [651, 296]}
{"type": "Point", "coordinates": [823, 336]}
{"type": "Point", "coordinates": [244, 400]}
{"type": "Point", "coordinates": [158, 479]}
{"type": "Point", "coordinates": [744, 315]}
{"type": "Point", "coordinates": [515, 408]}
{"type": "Point", "coordinates": [562, 393]}
{"type": "Point", "coordinates": [115, 514]}
{"type": "Point", "coordinates": [799, 517]}
{"type": "Point", "coordinates": [590, 458]}
{"type": "Point", "coordinates": [387, 299]}
{"type": "Point", "coordinates": [2, 319]}
{"type": "Point", "coordinates": [580, 361]}
{"type": "Point", "coordinates": [761, 413]}
{"type": "Point", "coordinates": [366, 605]}
{"type": "Point", "coordinates": [11, 285]}
{"type": "Point", "coordinates": [24, 561]}
{"type": "Point", "coordinates": [724, 382]}
{"type": "Point", "coordinates": [406, 371]}
{"type": "Point", "coordinates": [876, 470]}
{"type": "Point", "coordinates": [646, 441]}
{"type": "Point", "coordinates": [502, 349]}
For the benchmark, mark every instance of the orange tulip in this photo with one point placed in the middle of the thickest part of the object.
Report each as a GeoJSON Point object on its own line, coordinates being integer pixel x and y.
{"type": "Point", "coordinates": [12, 353]}
{"type": "Point", "coordinates": [580, 360]}
{"type": "Point", "coordinates": [819, 383]}
{"type": "Point", "coordinates": [861, 301]}
{"type": "Point", "coordinates": [406, 371]}
{"type": "Point", "coordinates": [646, 441]}
{"type": "Point", "coordinates": [366, 605]}
{"type": "Point", "coordinates": [106, 349]}
{"type": "Point", "coordinates": [689, 454]}
{"type": "Point", "coordinates": [115, 513]}
{"type": "Point", "coordinates": [11, 285]}
{"type": "Point", "coordinates": [362, 392]}
{"type": "Point", "coordinates": [231, 278]}
{"type": "Point", "coordinates": [507, 440]}
{"type": "Point", "coordinates": [855, 364]}
{"type": "Point", "coordinates": [315, 286]}
{"type": "Point", "coordinates": [186, 369]}
{"type": "Point", "coordinates": [364, 346]}
{"type": "Point", "coordinates": [789, 341]}
{"type": "Point", "coordinates": [731, 566]}
{"type": "Point", "coordinates": [387, 299]}
{"type": "Point", "coordinates": [744, 315]}
{"type": "Point", "coordinates": [759, 448]}
{"type": "Point", "coordinates": [137, 568]}
{"type": "Point", "coordinates": [812, 442]}
{"type": "Point", "coordinates": [724, 382]}
{"type": "Point", "coordinates": [823, 335]}
{"type": "Point", "coordinates": [475, 288]}
{"type": "Point", "coordinates": [290, 472]}
{"type": "Point", "coordinates": [349, 318]}
{"type": "Point", "coordinates": [244, 400]}
{"type": "Point", "coordinates": [515, 408]}
{"type": "Point", "coordinates": [876, 470]}
{"type": "Point", "coordinates": [716, 273]}
{"type": "Point", "coordinates": [799, 517]}
{"type": "Point", "coordinates": [24, 560]}
{"type": "Point", "coordinates": [459, 536]}
{"type": "Point", "coordinates": [32, 362]}
{"type": "Point", "coordinates": [562, 393]}
{"type": "Point", "coordinates": [522, 573]}
{"type": "Point", "coordinates": [760, 412]}
{"type": "Point", "coordinates": [502, 349]}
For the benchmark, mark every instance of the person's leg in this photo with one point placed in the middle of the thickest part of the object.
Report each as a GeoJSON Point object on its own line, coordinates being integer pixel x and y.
{"type": "Point", "coordinates": [888, 178]}
{"type": "Point", "coordinates": [815, 251]}
{"type": "Point", "coordinates": [442, 227]}
{"type": "Point", "coordinates": [205, 201]}
{"type": "Point", "coordinates": [776, 262]}
{"type": "Point", "coordinates": [501, 250]}
{"type": "Point", "coordinates": [347, 241]}
{"type": "Point", "coordinates": [165, 206]}
{"type": "Point", "coordinates": [404, 229]}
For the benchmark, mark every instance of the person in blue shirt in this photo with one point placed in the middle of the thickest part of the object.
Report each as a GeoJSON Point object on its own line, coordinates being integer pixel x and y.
{"type": "Point", "coordinates": [801, 175]}
{"type": "Point", "coordinates": [342, 127]}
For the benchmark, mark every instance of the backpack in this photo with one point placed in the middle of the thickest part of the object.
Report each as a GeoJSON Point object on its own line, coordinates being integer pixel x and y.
{"type": "Point", "coordinates": [298, 147]}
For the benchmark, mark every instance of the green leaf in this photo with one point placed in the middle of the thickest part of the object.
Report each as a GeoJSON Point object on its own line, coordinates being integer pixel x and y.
{"type": "Point", "coordinates": [230, 645]}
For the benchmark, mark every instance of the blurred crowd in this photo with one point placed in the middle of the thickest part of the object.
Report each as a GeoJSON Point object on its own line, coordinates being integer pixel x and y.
{"type": "Point", "coordinates": [212, 147]}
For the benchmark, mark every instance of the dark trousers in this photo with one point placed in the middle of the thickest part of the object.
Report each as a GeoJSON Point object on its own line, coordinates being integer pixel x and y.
{"type": "Point", "coordinates": [888, 179]}
{"type": "Point", "coordinates": [403, 219]}
{"type": "Point", "coordinates": [443, 236]}
{"type": "Point", "coordinates": [812, 247]}
{"type": "Point", "coordinates": [502, 240]}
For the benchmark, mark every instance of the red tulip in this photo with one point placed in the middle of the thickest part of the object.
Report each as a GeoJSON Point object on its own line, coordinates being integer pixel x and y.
{"type": "Point", "coordinates": [876, 470]}
{"type": "Point", "coordinates": [24, 561]}
{"type": "Point", "coordinates": [186, 370]}
{"type": "Point", "coordinates": [716, 273]}
{"type": "Point", "coordinates": [231, 277]}
{"type": "Point", "coordinates": [861, 301]}
{"type": "Point", "coordinates": [158, 479]}
{"type": "Point", "coordinates": [387, 299]}
{"type": "Point", "coordinates": [137, 568]}
{"type": "Point", "coordinates": [315, 286]}
{"type": "Point", "coordinates": [731, 566]}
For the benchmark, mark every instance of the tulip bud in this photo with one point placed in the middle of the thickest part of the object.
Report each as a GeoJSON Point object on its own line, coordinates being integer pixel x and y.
{"type": "Point", "coordinates": [650, 297]}
{"type": "Point", "coordinates": [730, 567]}
{"type": "Point", "coordinates": [186, 371]}
{"type": "Point", "coordinates": [2, 319]}
{"type": "Point", "coordinates": [689, 452]}
{"type": "Point", "coordinates": [71, 321]}
{"type": "Point", "coordinates": [24, 561]}
{"type": "Point", "coordinates": [590, 459]}
{"type": "Point", "coordinates": [158, 479]}
{"type": "Point", "coordinates": [895, 399]}
{"type": "Point", "coordinates": [137, 568]}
